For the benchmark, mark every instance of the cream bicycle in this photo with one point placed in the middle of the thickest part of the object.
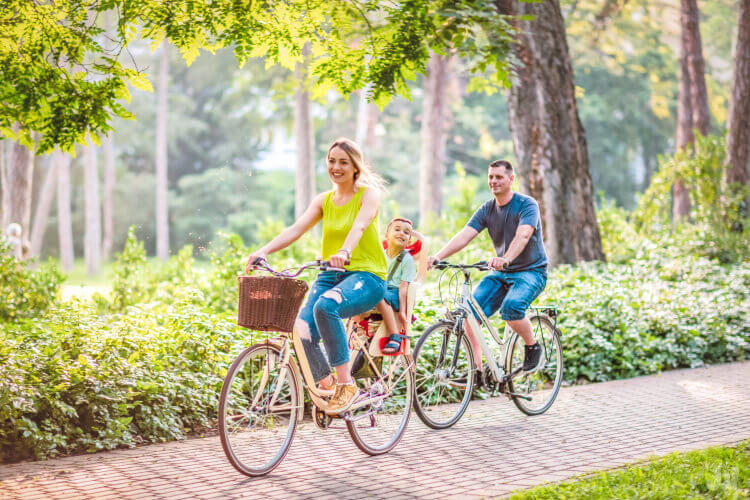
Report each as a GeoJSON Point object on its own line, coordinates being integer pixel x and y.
{"type": "Point", "coordinates": [262, 397]}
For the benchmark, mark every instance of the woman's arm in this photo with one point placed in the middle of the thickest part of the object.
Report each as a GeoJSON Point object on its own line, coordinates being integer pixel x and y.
{"type": "Point", "coordinates": [306, 221]}
{"type": "Point", "coordinates": [367, 212]}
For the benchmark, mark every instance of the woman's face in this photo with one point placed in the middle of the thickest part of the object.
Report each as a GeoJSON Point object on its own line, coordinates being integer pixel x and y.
{"type": "Point", "coordinates": [399, 233]}
{"type": "Point", "coordinates": [341, 170]}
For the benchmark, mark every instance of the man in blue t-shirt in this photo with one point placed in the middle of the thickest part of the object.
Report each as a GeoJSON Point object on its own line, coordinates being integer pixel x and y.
{"type": "Point", "coordinates": [515, 228]}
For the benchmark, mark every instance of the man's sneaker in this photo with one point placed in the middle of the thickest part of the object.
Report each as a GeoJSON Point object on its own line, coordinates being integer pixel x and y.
{"type": "Point", "coordinates": [342, 399]}
{"type": "Point", "coordinates": [532, 359]}
{"type": "Point", "coordinates": [460, 382]}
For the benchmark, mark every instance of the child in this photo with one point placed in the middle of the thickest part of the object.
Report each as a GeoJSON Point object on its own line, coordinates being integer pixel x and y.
{"type": "Point", "coordinates": [402, 270]}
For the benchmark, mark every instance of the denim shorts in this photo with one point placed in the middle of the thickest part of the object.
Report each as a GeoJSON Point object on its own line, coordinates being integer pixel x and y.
{"type": "Point", "coordinates": [391, 297]}
{"type": "Point", "coordinates": [511, 293]}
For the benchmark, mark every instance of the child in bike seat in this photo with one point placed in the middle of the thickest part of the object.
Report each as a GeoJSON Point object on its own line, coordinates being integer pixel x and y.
{"type": "Point", "coordinates": [402, 270]}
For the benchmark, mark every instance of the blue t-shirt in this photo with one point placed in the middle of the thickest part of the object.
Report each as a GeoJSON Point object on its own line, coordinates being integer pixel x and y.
{"type": "Point", "coordinates": [406, 271]}
{"type": "Point", "coordinates": [502, 223]}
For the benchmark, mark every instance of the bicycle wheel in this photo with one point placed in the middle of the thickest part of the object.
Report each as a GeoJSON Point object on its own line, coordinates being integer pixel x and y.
{"type": "Point", "coordinates": [445, 376]}
{"type": "Point", "coordinates": [376, 428]}
{"type": "Point", "coordinates": [537, 391]}
{"type": "Point", "coordinates": [258, 410]}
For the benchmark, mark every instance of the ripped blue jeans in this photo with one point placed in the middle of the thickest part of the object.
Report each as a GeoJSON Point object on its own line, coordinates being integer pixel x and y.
{"type": "Point", "coordinates": [349, 293]}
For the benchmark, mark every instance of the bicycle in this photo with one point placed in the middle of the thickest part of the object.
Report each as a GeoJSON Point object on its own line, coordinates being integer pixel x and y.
{"type": "Point", "coordinates": [262, 397]}
{"type": "Point", "coordinates": [445, 361]}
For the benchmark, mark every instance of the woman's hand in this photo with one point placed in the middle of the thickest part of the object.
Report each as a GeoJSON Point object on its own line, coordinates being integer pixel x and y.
{"type": "Point", "coordinates": [253, 257]}
{"type": "Point", "coordinates": [340, 259]}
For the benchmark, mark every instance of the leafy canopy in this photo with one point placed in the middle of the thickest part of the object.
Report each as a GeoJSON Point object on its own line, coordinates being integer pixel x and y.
{"type": "Point", "coordinates": [70, 74]}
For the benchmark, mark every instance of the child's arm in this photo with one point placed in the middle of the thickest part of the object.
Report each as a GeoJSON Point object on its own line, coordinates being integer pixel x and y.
{"type": "Point", "coordinates": [403, 288]}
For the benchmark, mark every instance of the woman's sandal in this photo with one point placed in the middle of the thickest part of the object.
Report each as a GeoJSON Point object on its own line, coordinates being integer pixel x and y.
{"type": "Point", "coordinates": [394, 344]}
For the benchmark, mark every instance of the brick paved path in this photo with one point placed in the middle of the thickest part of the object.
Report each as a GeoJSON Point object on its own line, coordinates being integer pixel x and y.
{"type": "Point", "coordinates": [492, 450]}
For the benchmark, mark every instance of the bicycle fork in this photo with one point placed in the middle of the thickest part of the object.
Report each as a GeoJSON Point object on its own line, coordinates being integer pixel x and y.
{"type": "Point", "coordinates": [284, 361]}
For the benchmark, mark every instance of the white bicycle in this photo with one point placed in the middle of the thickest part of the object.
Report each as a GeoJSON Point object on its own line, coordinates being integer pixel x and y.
{"type": "Point", "coordinates": [445, 361]}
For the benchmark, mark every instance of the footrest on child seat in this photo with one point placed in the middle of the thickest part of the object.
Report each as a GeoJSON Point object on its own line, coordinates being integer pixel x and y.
{"type": "Point", "coordinates": [385, 340]}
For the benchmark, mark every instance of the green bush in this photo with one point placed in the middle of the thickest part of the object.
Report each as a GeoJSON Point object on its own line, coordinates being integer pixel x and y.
{"type": "Point", "coordinates": [650, 315]}
{"type": "Point", "coordinates": [78, 381]}
{"type": "Point", "coordinates": [25, 293]}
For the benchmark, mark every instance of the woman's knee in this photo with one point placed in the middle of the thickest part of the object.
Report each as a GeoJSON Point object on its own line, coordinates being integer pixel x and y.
{"type": "Point", "coordinates": [327, 304]}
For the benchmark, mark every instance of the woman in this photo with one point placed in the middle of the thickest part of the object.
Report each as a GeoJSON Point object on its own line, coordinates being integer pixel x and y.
{"type": "Point", "coordinates": [350, 240]}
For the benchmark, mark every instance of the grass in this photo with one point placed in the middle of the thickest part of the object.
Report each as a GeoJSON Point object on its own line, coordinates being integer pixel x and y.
{"type": "Point", "coordinates": [79, 284]}
{"type": "Point", "coordinates": [79, 277]}
{"type": "Point", "coordinates": [720, 472]}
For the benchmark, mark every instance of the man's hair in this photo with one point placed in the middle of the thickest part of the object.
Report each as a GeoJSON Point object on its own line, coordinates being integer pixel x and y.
{"type": "Point", "coordinates": [502, 163]}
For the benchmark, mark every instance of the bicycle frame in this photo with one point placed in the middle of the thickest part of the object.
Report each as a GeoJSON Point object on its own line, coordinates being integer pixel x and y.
{"type": "Point", "coordinates": [300, 365]}
{"type": "Point", "coordinates": [466, 303]}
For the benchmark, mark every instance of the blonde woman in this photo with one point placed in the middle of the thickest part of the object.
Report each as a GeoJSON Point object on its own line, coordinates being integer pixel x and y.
{"type": "Point", "coordinates": [349, 213]}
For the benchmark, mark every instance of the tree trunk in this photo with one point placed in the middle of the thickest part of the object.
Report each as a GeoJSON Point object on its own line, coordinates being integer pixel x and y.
{"type": "Point", "coordinates": [162, 215]}
{"type": "Point", "coordinates": [692, 111]}
{"type": "Point", "coordinates": [109, 187]}
{"type": "Point", "coordinates": [92, 249]}
{"type": "Point", "coordinates": [64, 219]}
{"type": "Point", "coordinates": [433, 137]}
{"type": "Point", "coordinates": [304, 189]}
{"type": "Point", "coordinates": [738, 136]}
{"type": "Point", "coordinates": [684, 137]}
{"type": "Point", "coordinates": [367, 122]}
{"type": "Point", "coordinates": [549, 140]}
{"type": "Point", "coordinates": [17, 184]}
{"type": "Point", "coordinates": [696, 66]}
{"type": "Point", "coordinates": [43, 206]}
{"type": "Point", "coordinates": [109, 164]}
{"type": "Point", "coordinates": [3, 182]}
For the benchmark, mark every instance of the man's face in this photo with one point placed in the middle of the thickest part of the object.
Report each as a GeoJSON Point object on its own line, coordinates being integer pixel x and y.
{"type": "Point", "coordinates": [499, 180]}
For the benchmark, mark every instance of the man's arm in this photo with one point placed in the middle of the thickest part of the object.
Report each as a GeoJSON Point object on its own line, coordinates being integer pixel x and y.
{"type": "Point", "coordinates": [522, 237]}
{"type": "Point", "coordinates": [456, 244]}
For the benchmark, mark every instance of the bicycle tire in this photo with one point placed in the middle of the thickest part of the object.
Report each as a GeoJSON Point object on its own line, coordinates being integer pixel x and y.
{"type": "Point", "coordinates": [389, 420]}
{"type": "Point", "coordinates": [424, 368]}
{"type": "Point", "coordinates": [549, 336]}
{"type": "Point", "coordinates": [235, 403]}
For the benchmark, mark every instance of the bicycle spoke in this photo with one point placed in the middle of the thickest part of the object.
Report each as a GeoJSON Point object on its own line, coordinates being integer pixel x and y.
{"type": "Point", "coordinates": [258, 409]}
{"type": "Point", "coordinates": [441, 358]}
{"type": "Point", "coordinates": [540, 388]}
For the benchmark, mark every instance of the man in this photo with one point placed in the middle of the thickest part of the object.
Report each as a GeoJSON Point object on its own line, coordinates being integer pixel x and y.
{"type": "Point", "coordinates": [520, 275]}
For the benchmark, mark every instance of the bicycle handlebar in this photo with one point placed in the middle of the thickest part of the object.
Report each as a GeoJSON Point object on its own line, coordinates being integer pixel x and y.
{"type": "Point", "coordinates": [323, 265]}
{"type": "Point", "coordinates": [482, 265]}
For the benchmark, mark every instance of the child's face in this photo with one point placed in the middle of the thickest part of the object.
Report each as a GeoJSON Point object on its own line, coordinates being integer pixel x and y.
{"type": "Point", "coordinates": [399, 233]}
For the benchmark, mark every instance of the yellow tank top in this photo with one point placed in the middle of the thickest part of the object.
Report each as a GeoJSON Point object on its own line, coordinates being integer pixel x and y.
{"type": "Point", "coordinates": [368, 255]}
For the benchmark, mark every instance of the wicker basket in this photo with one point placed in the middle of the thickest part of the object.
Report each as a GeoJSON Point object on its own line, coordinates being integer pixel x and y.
{"type": "Point", "coordinates": [269, 303]}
